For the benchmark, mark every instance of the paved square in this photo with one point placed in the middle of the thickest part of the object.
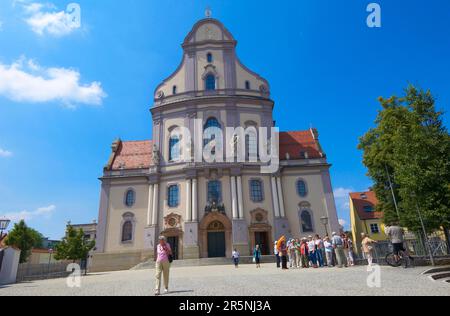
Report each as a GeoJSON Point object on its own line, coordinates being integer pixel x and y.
{"type": "Point", "coordinates": [247, 280]}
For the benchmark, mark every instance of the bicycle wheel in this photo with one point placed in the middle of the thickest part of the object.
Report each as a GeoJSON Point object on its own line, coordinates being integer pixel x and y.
{"type": "Point", "coordinates": [390, 260]}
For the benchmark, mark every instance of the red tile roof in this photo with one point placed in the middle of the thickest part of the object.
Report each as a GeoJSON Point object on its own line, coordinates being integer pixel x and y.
{"type": "Point", "coordinates": [363, 199]}
{"type": "Point", "coordinates": [299, 142]}
{"type": "Point", "coordinates": [133, 155]}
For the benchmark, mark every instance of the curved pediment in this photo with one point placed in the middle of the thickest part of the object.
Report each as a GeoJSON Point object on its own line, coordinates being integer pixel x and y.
{"type": "Point", "coordinates": [210, 48]}
{"type": "Point", "coordinates": [208, 30]}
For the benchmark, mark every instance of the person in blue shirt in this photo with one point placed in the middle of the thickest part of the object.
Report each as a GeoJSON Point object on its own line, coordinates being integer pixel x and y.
{"type": "Point", "coordinates": [236, 255]}
{"type": "Point", "coordinates": [257, 256]}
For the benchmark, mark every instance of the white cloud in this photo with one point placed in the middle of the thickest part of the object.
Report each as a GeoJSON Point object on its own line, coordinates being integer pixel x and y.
{"type": "Point", "coordinates": [26, 81]}
{"type": "Point", "coordinates": [340, 193]}
{"type": "Point", "coordinates": [45, 212]}
{"type": "Point", "coordinates": [46, 19]}
{"type": "Point", "coordinates": [5, 153]}
{"type": "Point", "coordinates": [342, 198]}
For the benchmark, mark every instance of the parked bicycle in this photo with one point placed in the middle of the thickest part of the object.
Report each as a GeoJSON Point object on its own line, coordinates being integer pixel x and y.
{"type": "Point", "coordinates": [403, 259]}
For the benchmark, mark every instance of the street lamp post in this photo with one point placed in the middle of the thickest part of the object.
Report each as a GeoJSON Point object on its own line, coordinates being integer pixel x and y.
{"type": "Point", "coordinates": [324, 221]}
{"type": "Point", "coordinates": [4, 223]}
{"type": "Point", "coordinates": [50, 251]}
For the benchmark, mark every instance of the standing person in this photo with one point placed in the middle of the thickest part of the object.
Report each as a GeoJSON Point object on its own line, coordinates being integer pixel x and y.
{"type": "Point", "coordinates": [291, 249]}
{"type": "Point", "coordinates": [164, 257]}
{"type": "Point", "coordinates": [348, 245]}
{"type": "Point", "coordinates": [351, 256]}
{"type": "Point", "coordinates": [298, 255]}
{"type": "Point", "coordinates": [236, 255]}
{"type": "Point", "coordinates": [257, 256]}
{"type": "Point", "coordinates": [312, 252]}
{"type": "Point", "coordinates": [304, 251]}
{"type": "Point", "coordinates": [277, 254]}
{"type": "Point", "coordinates": [367, 247]}
{"type": "Point", "coordinates": [282, 250]}
{"type": "Point", "coordinates": [328, 252]}
{"type": "Point", "coordinates": [319, 247]}
{"type": "Point", "coordinates": [338, 245]}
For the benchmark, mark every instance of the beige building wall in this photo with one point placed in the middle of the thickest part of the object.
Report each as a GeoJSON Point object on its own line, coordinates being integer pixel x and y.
{"type": "Point", "coordinates": [117, 209]}
{"type": "Point", "coordinates": [266, 204]}
{"type": "Point", "coordinates": [315, 197]}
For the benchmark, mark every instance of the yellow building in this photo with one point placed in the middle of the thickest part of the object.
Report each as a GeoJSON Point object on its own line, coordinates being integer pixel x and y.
{"type": "Point", "coordinates": [365, 218]}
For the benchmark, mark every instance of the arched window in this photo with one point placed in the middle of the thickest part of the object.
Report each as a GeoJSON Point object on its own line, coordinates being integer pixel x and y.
{"type": "Point", "coordinates": [214, 191]}
{"type": "Point", "coordinates": [130, 198]}
{"type": "Point", "coordinates": [210, 132]}
{"type": "Point", "coordinates": [247, 85]}
{"type": "Point", "coordinates": [306, 221]}
{"type": "Point", "coordinates": [209, 58]}
{"type": "Point", "coordinates": [127, 231]}
{"type": "Point", "coordinates": [212, 122]}
{"type": "Point", "coordinates": [173, 196]}
{"type": "Point", "coordinates": [210, 82]}
{"type": "Point", "coordinates": [174, 148]}
{"type": "Point", "coordinates": [251, 144]}
{"type": "Point", "coordinates": [256, 191]}
{"type": "Point", "coordinates": [174, 90]}
{"type": "Point", "coordinates": [302, 188]}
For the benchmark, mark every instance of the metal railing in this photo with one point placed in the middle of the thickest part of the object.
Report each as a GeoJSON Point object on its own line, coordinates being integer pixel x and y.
{"type": "Point", "coordinates": [30, 272]}
{"type": "Point", "coordinates": [416, 247]}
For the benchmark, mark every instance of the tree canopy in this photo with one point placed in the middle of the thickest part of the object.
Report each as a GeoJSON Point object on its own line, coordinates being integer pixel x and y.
{"type": "Point", "coordinates": [25, 239]}
{"type": "Point", "coordinates": [74, 246]}
{"type": "Point", "coordinates": [410, 145]}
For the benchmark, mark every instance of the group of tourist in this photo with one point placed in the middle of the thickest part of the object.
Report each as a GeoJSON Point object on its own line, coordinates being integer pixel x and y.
{"type": "Point", "coordinates": [314, 252]}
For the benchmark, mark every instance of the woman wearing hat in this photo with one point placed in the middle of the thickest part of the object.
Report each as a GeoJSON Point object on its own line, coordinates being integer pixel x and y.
{"type": "Point", "coordinates": [164, 258]}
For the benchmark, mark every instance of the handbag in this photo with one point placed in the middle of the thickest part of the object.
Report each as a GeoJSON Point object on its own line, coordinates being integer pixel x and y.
{"type": "Point", "coordinates": [170, 258]}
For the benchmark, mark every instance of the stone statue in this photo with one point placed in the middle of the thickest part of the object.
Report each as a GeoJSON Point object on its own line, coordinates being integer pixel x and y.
{"type": "Point", "coordinates": [156, 155]}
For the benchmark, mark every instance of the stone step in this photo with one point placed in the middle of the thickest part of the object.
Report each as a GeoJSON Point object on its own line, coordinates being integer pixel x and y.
{"type": "Point", "coordinates": [204, 262]}
{"type": "Point", "coordinates": [440, 276]}
{"type": "Point", "coordinates": [437, 270]}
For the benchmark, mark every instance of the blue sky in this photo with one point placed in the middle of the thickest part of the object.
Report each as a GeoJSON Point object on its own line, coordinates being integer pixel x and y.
{"type": "Point", "coordinates": [66, 93]}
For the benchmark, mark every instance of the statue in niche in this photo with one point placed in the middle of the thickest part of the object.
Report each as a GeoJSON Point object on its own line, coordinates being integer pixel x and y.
{"type": "Point", "coordinates": [156, 155]}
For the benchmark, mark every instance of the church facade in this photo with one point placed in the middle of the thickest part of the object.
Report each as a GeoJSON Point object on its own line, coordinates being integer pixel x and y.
{"type": "Point", "coordinates": [207, 209]}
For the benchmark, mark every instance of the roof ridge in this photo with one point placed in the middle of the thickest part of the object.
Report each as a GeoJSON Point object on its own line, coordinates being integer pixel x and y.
{"type": "Point", "coordinates": [137, 141]}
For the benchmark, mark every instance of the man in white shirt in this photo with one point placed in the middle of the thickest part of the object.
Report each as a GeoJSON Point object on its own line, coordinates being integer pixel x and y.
{"type": "Point", "coordinates": [338, 245]}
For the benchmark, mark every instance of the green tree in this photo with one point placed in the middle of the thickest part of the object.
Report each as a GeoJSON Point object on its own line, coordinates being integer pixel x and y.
{"type": "Point", "coordinates": [411, 145]}
{"type": "Point", "coordinates": [25, 239]}
{"type": "Point", "coordinates": [74, 246]}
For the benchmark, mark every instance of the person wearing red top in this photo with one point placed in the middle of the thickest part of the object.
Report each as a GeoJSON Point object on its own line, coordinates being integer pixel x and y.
{"type": "Point", "coordinates": [304, 251]}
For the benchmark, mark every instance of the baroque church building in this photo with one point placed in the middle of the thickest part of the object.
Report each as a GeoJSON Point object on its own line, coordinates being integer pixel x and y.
{"type": "Point", "coordinates": [208, 209]}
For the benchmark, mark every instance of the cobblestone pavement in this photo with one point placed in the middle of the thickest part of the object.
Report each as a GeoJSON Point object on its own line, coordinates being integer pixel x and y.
{"type": "Point", "coordinates": [247, 280]}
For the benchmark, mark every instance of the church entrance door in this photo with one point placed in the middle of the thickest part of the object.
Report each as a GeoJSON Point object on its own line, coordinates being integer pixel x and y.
{"type": "Point", "coordinates": [216, 245]}
{"type": "Point", "coordinates": [173, 242]}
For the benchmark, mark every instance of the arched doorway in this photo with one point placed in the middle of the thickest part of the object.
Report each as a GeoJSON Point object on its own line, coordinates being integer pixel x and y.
{"type": "Point", "coordinates": [174, 234]}
{"type": "Point", "coordinates": [260, 231]}
{"type": "Point", "coordinates": [215, 236]}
